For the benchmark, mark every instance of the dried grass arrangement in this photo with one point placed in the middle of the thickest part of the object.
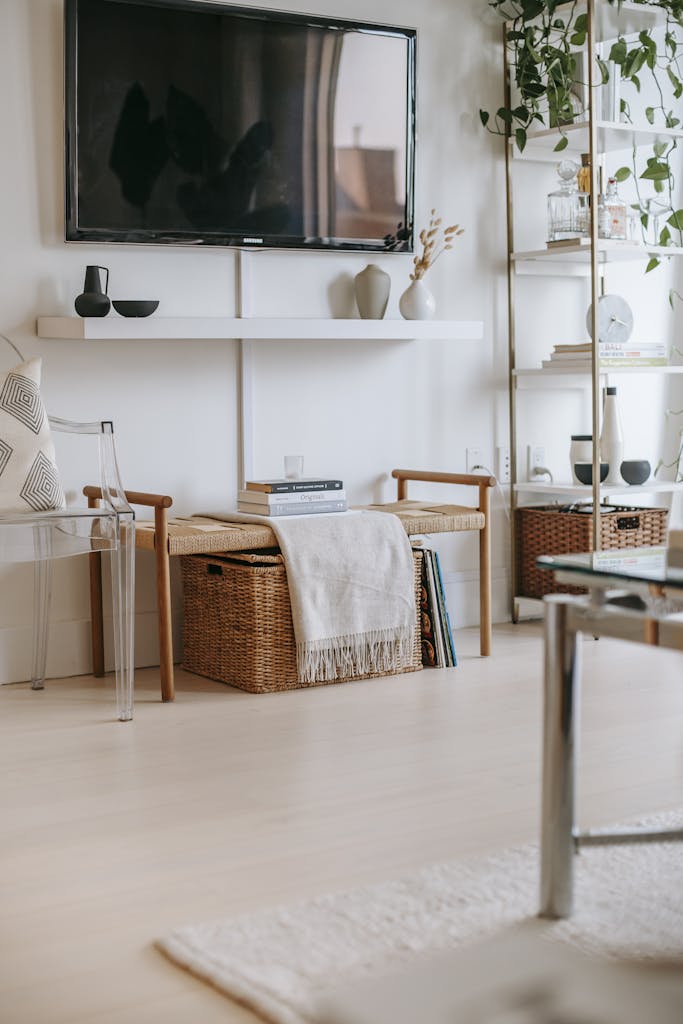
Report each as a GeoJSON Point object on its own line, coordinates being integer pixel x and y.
{"type": "Point", "coordinates": [435, 240]}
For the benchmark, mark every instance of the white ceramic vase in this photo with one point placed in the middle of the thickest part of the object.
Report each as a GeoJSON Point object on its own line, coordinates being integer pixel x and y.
{"type": "Point", "coordinates": [612, 437]}
{"type": "Point", "coordinates": [372, 287]}
{"type": "Point", "coordinates": [417, 302]}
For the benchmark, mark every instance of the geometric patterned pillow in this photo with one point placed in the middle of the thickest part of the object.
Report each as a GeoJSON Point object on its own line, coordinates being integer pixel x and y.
{"type": "Point", "coordinates": [29, 478]}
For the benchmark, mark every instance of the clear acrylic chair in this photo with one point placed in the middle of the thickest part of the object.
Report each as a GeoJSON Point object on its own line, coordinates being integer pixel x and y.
{"type": "Point", "coordinates": [40, 537]}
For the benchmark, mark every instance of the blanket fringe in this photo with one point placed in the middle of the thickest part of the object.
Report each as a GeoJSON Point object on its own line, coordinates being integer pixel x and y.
{"type": "Point", "coordinates": [383, 651]}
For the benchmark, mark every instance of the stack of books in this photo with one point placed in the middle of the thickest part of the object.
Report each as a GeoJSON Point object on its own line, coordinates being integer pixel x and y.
{"type": "Point", "coordinates": [303, 496]}
{"type": "Point", "coordinates": [438, 649]}
{"type": "Point", "coordinates": [578, 357]}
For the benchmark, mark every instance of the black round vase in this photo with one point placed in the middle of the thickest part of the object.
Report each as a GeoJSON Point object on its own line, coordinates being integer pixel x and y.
{"type": "Point", "coordinates": [92, 304]}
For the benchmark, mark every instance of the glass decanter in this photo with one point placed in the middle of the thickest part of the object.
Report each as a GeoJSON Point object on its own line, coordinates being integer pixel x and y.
{"type": "Point", "coordinates": [568, 209]}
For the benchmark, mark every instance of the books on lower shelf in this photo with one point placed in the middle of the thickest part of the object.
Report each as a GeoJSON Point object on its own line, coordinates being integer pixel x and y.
{"type": "Point", "coordinates": [292, 508]}
{"type": "Point", "coordinates": [293, 485]}
{"type": "Point", "coordinates": [578, 357]}
{"type": "Point", "coordinates": [438, 649]}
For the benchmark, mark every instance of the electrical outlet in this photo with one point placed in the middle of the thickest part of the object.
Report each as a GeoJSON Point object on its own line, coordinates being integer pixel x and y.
{"type": "Point", "coordinates": [503, 464]}
{"type": "Point", "coordinates": [535, 459]}
{"type": "Point", "coordinates": [473, 458]}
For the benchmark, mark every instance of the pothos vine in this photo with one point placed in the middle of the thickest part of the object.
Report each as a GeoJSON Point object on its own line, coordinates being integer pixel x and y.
{"type": "Point", "coordinates": [544, 40]}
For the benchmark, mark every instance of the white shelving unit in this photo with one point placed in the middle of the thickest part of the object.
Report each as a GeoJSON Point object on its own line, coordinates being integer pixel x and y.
{"type": "Point", "coordinates": [153, 328]}
{"type": "Point", "coordinates": [575, 377]}
{"type": "Point", "coordinates": [609, 251]}
{"type": "Point", "coordinates": [591, 259]}
{"type": "Point", "coordinates": [612, 136]}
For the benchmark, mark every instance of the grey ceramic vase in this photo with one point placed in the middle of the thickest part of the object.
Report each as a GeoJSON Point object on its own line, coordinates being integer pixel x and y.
{"type": "Point", "coordinates": [372, 287]}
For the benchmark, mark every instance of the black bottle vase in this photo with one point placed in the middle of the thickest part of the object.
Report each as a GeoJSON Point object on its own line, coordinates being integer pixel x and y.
{"type": "Point", "coordinates": [93, 301]}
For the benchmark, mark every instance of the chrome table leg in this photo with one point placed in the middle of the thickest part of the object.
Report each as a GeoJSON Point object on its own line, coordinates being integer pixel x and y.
{"type": "Point", "coordinates": [561, 697]}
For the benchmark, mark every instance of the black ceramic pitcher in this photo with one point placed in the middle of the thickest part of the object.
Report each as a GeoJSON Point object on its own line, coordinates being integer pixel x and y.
{"type": "Point", "coordinates": [93, 301]}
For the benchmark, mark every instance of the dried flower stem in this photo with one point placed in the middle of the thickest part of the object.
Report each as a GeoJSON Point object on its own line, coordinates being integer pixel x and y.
{"type": "Point", "coordinates": [435, 241]}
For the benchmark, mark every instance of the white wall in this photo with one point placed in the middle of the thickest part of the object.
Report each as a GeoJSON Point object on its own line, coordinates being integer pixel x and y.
{"type": "Point", "coordinates": [354, 409]}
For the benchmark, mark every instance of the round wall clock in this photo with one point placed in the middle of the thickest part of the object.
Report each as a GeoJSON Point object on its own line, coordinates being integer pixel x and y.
{"type": "Point", "coordinates": [615, 319]}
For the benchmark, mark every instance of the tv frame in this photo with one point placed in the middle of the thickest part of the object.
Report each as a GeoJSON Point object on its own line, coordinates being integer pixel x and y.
{"type": "Point", "coordinates": [75, 233]}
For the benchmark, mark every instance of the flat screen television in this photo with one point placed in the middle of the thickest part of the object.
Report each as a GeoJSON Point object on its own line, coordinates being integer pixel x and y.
{"type": "Point", "coordinates": [193, 122]}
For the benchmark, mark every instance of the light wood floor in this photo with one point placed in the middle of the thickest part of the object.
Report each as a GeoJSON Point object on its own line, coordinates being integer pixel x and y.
{"type": "Point", "coordinates": [112, 834]}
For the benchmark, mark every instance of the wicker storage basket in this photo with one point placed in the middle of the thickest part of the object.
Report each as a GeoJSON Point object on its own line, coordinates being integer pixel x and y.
{"type": "Point", "coordinates": [238, 621]}
{"type": "Point", "coordinates": [553, 530]}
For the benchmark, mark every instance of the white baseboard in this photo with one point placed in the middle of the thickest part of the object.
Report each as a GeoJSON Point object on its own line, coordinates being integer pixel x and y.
{"type": "Point", "coordinates": [68, 652]}
{"type": "Point", "coordinates": [69, 642]}
{"type": "Point", "coordinates": [462, 596]}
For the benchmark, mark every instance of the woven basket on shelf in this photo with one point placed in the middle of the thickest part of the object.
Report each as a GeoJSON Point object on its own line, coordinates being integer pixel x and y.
{"type": "Point", "coordinates": [551, 530]}
{"type": "Point", "coordinates": [238, 621]}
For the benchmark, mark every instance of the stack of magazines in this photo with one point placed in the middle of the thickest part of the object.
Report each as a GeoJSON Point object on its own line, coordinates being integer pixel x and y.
{"type": "Point", "coordinates": [438, 649]}
{"type": "Point", "coordinates": [292, 497]}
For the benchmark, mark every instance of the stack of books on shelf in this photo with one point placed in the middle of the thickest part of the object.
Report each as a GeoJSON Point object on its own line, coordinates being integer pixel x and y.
{"type": "Point", "coordinates": [438, 649]}
{"type": "Point", "coordinates": [578, 357]}
{"type": "Point", "coordinates": [303, 496]}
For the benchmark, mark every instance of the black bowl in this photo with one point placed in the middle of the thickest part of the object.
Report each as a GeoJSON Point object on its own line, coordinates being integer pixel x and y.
{"type": "Point", "coordinates": [635, 471]}
{"type": "Point", "coordinates": [584, 471]}
{"type": "Point", "coordinates": [135, 307]}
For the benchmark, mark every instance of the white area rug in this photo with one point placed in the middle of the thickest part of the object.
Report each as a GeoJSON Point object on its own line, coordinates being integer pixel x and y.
{"type": "Point", "coordinates": [282, 962]}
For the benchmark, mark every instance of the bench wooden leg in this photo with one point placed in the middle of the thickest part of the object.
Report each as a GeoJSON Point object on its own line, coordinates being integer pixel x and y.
{"type": "Point", "coordinates": [485, 574]}
{"type": "Point", "coordinates": [96, 617]}
{"type": "Point", "coordinates": [164, 616]}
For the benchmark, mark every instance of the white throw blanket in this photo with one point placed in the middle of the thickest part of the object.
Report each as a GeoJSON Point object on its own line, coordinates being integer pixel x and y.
{"type": "Point", "coordinates": [351, 586]}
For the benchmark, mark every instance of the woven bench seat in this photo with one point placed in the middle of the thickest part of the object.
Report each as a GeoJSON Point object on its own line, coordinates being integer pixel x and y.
{"type": "Point", "coordinates": [200, 535]}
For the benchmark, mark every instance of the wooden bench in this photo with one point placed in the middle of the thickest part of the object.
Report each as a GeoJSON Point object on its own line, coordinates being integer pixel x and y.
{"type": "Point", "coordinates": [189, 535]}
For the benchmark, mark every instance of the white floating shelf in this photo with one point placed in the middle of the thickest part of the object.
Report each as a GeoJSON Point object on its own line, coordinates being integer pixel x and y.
{"type": "Point", "coordinates": [580, 490]}
{"type": "Point", "coordinates": [110, 328]}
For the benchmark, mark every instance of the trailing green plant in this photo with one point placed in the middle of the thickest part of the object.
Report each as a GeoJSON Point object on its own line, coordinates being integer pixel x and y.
{"type": "Point", "coordinates": [542, 47]}
{"type": "Point", "coordinates": [545, 41]}
{"type": "Point", "coordinates": [633, 59]}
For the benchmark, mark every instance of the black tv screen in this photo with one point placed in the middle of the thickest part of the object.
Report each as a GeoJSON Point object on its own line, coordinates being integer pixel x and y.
{"type": "Point", "coordinates": [203, 123]}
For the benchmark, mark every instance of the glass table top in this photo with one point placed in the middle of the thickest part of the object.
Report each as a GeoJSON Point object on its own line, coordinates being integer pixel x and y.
{"type": "Point", "coordinates": [639, 565]}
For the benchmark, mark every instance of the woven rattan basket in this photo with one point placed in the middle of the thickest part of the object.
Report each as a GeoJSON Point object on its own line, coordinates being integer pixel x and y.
{"type": "Point", "coordinates": [552, 530]}
{"type": "Point", "coordinates": [238, 621]}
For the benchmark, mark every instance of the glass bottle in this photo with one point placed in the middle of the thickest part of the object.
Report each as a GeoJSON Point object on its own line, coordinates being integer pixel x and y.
{"type": "Point", "coordinates": [583, 178]}
{"type": "Point", "coordinates": [611, 437]}
{"type": "Point", "coordinates": [612, 213]}
{"type": "Point", "coordinates": [567, 207]}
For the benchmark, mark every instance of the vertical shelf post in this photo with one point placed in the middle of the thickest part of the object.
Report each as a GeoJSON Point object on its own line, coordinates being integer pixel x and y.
{"type": "Point", "coordinates": [512, 380]}
{"type": "Point", "coordinates": [591, 51]}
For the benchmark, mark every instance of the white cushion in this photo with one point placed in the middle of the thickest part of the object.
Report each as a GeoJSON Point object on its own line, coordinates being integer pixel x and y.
{"type": "Point", "coordinates": [29, 478]}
